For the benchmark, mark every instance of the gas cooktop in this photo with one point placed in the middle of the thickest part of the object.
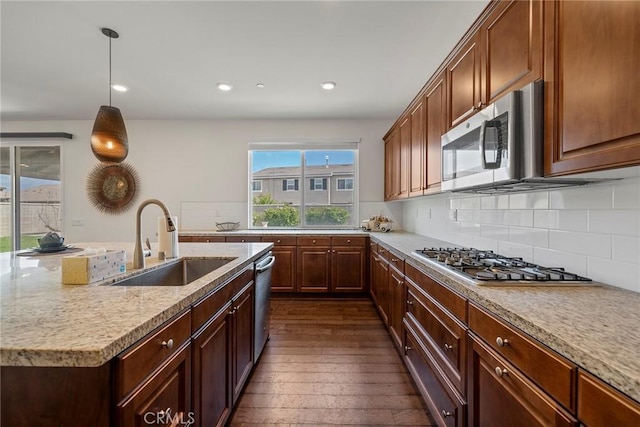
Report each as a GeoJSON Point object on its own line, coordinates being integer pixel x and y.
{"type": "Point", "coordinates": [489, 268]}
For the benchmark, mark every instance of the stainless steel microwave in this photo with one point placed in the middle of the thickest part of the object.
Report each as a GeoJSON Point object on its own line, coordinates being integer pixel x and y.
{"type": "Point", "coordinates": [500, 145]}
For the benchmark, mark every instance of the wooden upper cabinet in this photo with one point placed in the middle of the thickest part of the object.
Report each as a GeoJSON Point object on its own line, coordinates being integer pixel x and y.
{"type": "Point", "coordinates": [463, 77]}
{"type": "Point", "coordinates": [592, 65]}
{"type": "Point", "coordinates": [435, 106]}
{"type": "Point", "coordinates": [512, 47]}
{"type": "Point", "coordinates": [389, 167]}
{"type": "Point", "coordinates": [403, 159]}
{"type": "Point", "coordinates": [418, 151]}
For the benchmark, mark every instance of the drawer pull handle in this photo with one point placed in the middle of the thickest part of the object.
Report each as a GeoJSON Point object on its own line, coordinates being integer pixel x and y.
{"type": "Point", "coordinates": [167, 344]}
{"type": "Point", "coordinates": [448, 347]}
{"type": "Point", "coordinates": [446, 414]}
{"type": "Point", "coordinates": [501, 372]}
{"type": "Point", "coordinates": [502, 342]}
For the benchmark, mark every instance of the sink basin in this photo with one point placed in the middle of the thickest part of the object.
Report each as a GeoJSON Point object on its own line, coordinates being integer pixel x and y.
{"type": "Point", "coordinates": [179, 273]}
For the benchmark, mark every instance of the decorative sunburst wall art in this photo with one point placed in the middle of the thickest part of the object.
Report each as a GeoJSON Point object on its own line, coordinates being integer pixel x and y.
{"type": "Point", "coordinates": [112, 187]}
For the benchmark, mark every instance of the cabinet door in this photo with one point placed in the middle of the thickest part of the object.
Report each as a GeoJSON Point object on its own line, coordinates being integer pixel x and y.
{"type": "Point", "coordinates": [242, 339]}
{"type": "Point", "coordinates": [382, 281]}
{"type": "Point", "coordinates": [389, 165]}
{"type": "Point", "coordinates": [463, 79]}
{"type": "Point", "coordinates": [373, 276]}
{"type": "Point", "coordinates": [283, 273]}
{"type": "Point", "coordinates": [499, 395]}
{"type": "Point", "coordinates": [512, 47]}
{"type": "Point", "coordinates": [397, 298]}
{"type": "Point", "coordinates": [418, 151]}
{"type": "Point", "coordinates": [164, 399]}
{"type": "Point", "coordinates": [601, 405]}
{"type": "Point", "coordinates": [314, 268]}
{"type": "Point", "coordinates": [592, 117]}
{"type": "Point", "coordinates": [348, 266]}
{"type": "Point", "coordinates": [435, 105]}
{"type": "Point", "coordinates": [403, 164]}
{"type": "Point", "coordinates": [212, 400]}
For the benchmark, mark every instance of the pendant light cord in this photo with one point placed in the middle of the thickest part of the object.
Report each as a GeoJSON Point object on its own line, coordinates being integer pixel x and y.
{"type": "Point", "coordinates": [109, 71]}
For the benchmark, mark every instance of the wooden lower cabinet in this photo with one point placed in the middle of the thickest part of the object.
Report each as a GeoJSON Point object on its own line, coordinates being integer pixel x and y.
{"type": "Point", "coordinates": [600, 405]}
{"type": "Point", "coordinates": [382, 289]}
{"type": "Point", "coordinates": [283, 273]}
{"type": "Point", "coordinates": [242, 348]}
{"type": "Point", "coordinates": [397, 307]}
{"type": "Point", "coordinates": [500, 395]}
{"type": "Point", "coordinates": [212, 400]}
{"type": "Point", "coordinates": [445, 404]}
{"type": "Point", "coordinates": [164, 399]}
{"type": "Point", "coordinates": [314, 268]}
{"type": "Point", "coordinates": [348, 265]}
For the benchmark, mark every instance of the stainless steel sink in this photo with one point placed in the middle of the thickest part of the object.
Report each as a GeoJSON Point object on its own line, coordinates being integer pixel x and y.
{"type": "Point", "coordinates": [178, 273]}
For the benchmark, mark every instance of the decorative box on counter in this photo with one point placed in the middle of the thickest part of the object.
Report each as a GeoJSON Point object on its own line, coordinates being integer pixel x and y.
{"type": "Point", "coordinates": [92, 266]}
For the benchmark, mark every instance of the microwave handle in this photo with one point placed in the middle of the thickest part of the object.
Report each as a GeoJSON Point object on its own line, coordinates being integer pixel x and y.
{"type": "Point", "coordinates": [483, 150]}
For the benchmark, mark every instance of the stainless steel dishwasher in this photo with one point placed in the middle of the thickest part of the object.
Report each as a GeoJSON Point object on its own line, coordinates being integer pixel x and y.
{"type": "Point", "coordinates": [262, 309]}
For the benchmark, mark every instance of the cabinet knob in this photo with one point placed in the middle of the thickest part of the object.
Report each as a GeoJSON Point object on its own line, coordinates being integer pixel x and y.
{"type": "Point", "coordinates": [394, 260]}
{"type": "Point", "coordinates": [407, 348]}
{"type": "Point", "coordinates": [409, 302]}
{"type": "Point", "coordinates": [314, 241]}
{"type": "Point", "coordinates": [501, 372]}
{"type": "Point", "coordinates": [448, 347]}
{"type": "Point", "coordinates": [167, 344]}
{"type": "Point", "coordinates": [207, 240]}
{"type": "Point", "coordinates": [502, 342]}
{"type": "Point", "coordinates": [348, 240]}
{"type": "Point", "coordinates": [446, 414]}
{"type": "Point", "coordinates": [278, 241]}
{"type": "Point", "coordinates": [329, 250]}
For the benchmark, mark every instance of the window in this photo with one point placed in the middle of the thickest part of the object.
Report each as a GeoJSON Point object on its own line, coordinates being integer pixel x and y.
{"type": "Point", "coordinates": [289, 185]}
{"type": "Point", "coordinates": [344, 184]}
{"type": "Point", "coordinates": [30, 194]}
{"type": "Point", "coordinates": [298, 189]}
{"type": "Point", "coordinates": [318, 184]}
{"type": "Point", "coordinates": [256, 186]}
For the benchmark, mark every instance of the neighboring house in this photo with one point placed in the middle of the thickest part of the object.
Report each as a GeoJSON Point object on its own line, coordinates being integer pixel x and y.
{"type": "Point", "coordinates": [324, 184]}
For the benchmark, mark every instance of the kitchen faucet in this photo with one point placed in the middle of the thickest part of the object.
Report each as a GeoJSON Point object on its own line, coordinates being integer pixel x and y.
{"type": "Point", "coordinates": [138, 256]}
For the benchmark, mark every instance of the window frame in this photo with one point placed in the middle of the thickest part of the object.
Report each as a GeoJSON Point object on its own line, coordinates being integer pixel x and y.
{"type": "Point", "coordinates": [345, 184]}
{"type": "Point", "coordinates": [253, 187]}
{"type": "Point", "coordinates": [302, 147]}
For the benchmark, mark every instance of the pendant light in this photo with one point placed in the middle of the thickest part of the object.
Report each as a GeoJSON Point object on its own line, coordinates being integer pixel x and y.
{"type": "Point", "coordinates": [109, 141]}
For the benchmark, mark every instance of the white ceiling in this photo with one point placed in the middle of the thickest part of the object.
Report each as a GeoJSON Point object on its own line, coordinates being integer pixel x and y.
{"type": "Point", "coordinates": [54, 59]}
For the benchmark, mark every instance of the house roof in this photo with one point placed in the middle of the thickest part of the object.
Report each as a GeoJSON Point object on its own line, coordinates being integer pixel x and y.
{"type": "Point", "coordinates": [310, 171]}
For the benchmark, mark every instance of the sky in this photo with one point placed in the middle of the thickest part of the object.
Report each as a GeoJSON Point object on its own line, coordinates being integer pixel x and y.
{"type": "Point", "coordinates": [25, 183]}
{"type": "Point", "coordinates": [266, 159]}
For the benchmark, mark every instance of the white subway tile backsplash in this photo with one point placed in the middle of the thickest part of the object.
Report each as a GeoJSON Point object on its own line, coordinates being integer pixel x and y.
{"type": "Point", "coordinates": [621, 222]}
{"type": "Point", "coordinates": [626, 249]}
{"type": "Point", "coordinates": [529, 236]}
{"type": "Point", "coordinates": [572, 263]}
{"type": "Point", "coordinates": [520, 218]}
{"type": "Point", "coordinates": [487, 216]}
{"type": "Point", "coordinates": [498, 232]}
{"type": "Point", "coordinates": [470, 203]}
{"type": "Point", "coordinates": [469, 228]}
{"type": "Point", "coordinates": [587, 197]}
{"type": "Point", "coordinates": [529, 200]}
{"type": "Point", "coordinates": [565, 219]}
{"type": "Point", "coordinates": [626, 194]}
{"type": "Point", "coordinates": [485, 244]}
{"type": "Point", "coordinates": [495, 202]}
{"type": "Point", "coordinates": [465, 215]}
{"type": "Point", "coordinates": [621, 274]}
{"type": "Point", "coordinates": [515, 250]}
{"type": "Point", "coordinates": [597, 245]}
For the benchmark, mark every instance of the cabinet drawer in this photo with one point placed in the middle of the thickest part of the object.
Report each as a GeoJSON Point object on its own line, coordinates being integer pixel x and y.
{"type": "Point", "coordinates": [314, 241]}
{"type": "Point", "coordinates": [456, 304]}
{"type": "Point", "coordinates": [243, 239]}
{"type": "Point", "coordinates": [208, 239]}
{"type": "Point", "coordinates": [601, 405]}
{"type": "Point", "coordinates": [211, 303]}
{"type": "Point", "coordinates": [280, 240]}
{"type": "Point", "coordinates": [447, 407]}
{"type": "Point", "coordinates": [136, 363]}
{"type": "Point", "coordinates": [396, 260]}
{"type": "Point", "coordinates": [349, 241]}
{"type": "Point", "coordinates": [552, 372]}
{"type": "Point", "coordinates": [444, 335]}
{"type": "Point", "coordinates": [185, 239]}
{"type": "Point", "coordinates": [500, 395]}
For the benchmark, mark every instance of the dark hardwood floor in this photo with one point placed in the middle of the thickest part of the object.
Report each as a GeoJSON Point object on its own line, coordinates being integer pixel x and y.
{"type": "Point", "coordinates": [329, 363]}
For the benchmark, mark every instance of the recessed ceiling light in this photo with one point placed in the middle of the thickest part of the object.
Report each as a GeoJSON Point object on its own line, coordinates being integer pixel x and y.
{"type": "Point", "coordinates": [225, 87]}
{"type": "Point", "coordinates": [328, 85]}
{"type": "Point", "coordinates": [119, 88]}
{"type": "Point", "coordinates": [260, 85]}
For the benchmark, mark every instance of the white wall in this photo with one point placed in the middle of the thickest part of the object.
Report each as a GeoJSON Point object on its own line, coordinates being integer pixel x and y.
{"type": "Point", "coordinates": [593, 231]}
{"type": "Point", "coordinates": [198, 168]}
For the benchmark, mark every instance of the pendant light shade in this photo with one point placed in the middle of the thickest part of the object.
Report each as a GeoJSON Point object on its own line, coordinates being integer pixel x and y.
{"type": "Point", "coordinates": [109, 141]}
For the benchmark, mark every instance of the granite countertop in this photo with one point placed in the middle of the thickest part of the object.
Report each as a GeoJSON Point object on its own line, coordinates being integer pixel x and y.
{"type": "Point", "coordinates": [596, 327]}
{"type": "Point", "coordinates": [45, 323]}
